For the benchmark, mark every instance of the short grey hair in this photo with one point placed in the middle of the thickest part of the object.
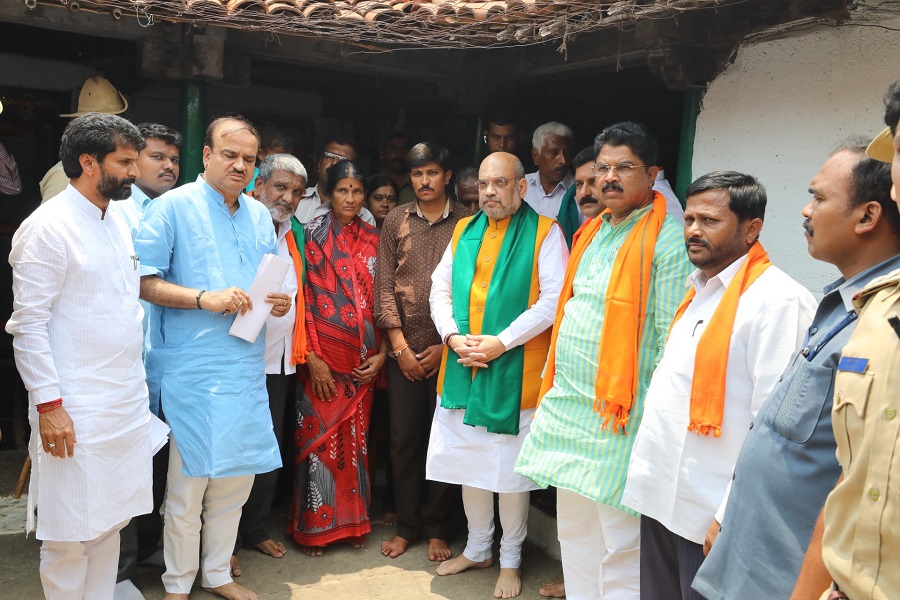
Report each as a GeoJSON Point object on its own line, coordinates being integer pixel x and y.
{"type": "Point", "coordinates": [546, 130]}
{"type": "Point", "coordinates": [281, 162]}
{"type": "Point", "coordinates": [466, 175]}
{"type": "Point", "coordinates": [518, 169]}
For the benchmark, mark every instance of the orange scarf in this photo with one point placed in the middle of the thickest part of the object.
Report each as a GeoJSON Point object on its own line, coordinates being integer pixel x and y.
{"type": "Point", "coordinates": [711, 361]}
{"type": "Point", "coordinates": [623, 314]}
{"type": "Point", "coordinates": [299, 351]}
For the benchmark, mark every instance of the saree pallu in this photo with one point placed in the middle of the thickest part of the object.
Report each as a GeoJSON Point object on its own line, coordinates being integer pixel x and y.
{"type": "Point", "coordinates": [331, 484]}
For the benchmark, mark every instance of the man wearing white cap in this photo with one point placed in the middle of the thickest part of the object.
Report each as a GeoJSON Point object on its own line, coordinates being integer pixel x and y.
{"type": "Point", "coordinates": [97, 95]}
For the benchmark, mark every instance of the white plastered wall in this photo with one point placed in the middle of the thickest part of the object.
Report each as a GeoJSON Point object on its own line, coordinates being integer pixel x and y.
{"type": "Point", "coordinates": [780, 108]}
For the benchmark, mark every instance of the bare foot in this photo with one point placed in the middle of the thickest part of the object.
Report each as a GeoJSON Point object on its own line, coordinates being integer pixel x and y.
{"type": "Point", "coordinates": [232, 591]}
{"type": "Point", "coordinates": [460, 564]}
{"type": "Point", "coordinates": [176, 597]}
{"type": "Point", "coordinates": [272, 548]}
{"type": "Point", "coordinates": [358, 543]}
{"type": "Point", "coordinates": [554, 589]}
{"type": "Point", "coordinates": [235, 566]}
{"type": "Point", "coordinates": [438, 550]}
{"type": "Point", "coordinates": [509, 585]}
{"type": "Point", "coordinates": [314, 550]}
{"type": "Point", "coordinates": [388, 518]}
{"type": "Point", "coordinates": [395, 546]}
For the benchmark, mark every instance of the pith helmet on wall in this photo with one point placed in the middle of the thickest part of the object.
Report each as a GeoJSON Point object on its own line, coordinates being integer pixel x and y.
{"type": "Point", "coordinates": [99, 95]}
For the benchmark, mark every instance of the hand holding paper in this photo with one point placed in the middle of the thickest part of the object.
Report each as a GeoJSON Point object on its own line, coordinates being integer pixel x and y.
{"type": "Point", "coordinates": [269, 279]}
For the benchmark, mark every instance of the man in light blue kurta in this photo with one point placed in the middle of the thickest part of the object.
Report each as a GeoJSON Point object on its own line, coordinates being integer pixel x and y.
{"type": "Point", "coordinates": [200, 246]}
{"type": "Point", "coordinates": [569, 447]}
{"type": "Point", "coordinates": [158, 163]}
{"type": "Point", "coordinates": [210, 381]}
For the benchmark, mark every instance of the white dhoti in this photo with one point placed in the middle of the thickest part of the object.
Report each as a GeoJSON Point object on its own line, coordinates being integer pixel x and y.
{"type": "Point", "coordinates": [600, 548]}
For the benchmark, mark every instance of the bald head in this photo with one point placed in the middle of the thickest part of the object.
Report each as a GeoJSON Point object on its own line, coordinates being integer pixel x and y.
{"type": "Point", "coordinates": [501, 185]}
{"type": "Point", "coordinates": [505, 162]}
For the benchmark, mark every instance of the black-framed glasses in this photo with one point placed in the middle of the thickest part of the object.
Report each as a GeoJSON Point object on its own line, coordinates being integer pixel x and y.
{"type": "Point", "coordinates": [625, 169]}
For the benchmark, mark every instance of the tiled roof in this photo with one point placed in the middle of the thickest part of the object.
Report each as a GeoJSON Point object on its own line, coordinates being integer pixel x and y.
{"type": "Point", "coordinates": [411, 23]}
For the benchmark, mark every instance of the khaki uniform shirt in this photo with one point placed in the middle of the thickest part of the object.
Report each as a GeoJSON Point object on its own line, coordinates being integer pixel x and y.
{"type": "Point", "coordinates": [862, 529]}
{"type": "Point", "coordinates": [53, 182]}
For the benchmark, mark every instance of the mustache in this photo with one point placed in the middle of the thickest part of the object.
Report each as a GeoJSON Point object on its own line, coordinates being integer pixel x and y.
{"type": "Point", "coordinates": [612, 185]}
{"type": "Point", "coordinates": [426, 187]}
{"type": "Point", "coordinates": [588, 200]}
{"type": "Point", "coordinates": [696, 240]}
{"type": "Point", "coordinates": [237, 172]}
{"type": "Point", "coordinates": [807, 225]}
{"type": "Point", "coordinates": [168, 172]}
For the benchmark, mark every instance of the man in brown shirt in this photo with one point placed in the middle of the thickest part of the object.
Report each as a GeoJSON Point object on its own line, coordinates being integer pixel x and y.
{"type": "Point", "coordinates": [413, 239]}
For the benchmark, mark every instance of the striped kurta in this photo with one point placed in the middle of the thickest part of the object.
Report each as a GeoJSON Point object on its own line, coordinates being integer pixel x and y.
{"type": "Point", "coordinates": [567, 447]}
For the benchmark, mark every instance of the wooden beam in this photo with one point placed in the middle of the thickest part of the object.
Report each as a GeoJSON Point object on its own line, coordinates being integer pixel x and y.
{"type": "Point", "coordinates": [428, 65]}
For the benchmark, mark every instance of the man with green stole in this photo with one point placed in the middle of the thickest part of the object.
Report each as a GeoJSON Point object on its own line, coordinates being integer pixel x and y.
{"type": "Point", "coordinates": [493, 299]}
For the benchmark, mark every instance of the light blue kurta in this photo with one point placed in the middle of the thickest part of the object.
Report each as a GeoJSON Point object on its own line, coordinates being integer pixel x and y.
{"type": "Point", "coordinates": [212, 385]}
{"type": "Point", "coordinates": [567, 446]}
{"type": "Point", "coordinates": [131, 210]}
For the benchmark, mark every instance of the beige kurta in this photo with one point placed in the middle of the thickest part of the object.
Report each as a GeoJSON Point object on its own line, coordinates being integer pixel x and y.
{"type": "Point", "coordinates": [78, 336]}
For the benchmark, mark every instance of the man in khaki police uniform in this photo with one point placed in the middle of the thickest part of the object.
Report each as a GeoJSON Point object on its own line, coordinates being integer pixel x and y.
{"type": "Point", "coordinates": [861, 529]}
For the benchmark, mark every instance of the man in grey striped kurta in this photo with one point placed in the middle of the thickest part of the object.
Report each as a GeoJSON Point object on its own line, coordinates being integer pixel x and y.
{"type": "Point", "coordinates": [568, 446]}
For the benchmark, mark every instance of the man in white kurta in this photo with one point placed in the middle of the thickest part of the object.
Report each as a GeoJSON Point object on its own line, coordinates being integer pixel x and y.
{"type": "Point", "coordinates": [280, 185]}
{"type": "Point", "coordinates": [479, 451]}
{"type": "Point", "coordinates": [77, 341]}
{"type": "Point", "coordinates": [682, 463]}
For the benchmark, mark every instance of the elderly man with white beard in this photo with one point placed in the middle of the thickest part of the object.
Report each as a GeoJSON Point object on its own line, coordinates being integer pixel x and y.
{"type": "Point", "coordinates": [280, 186]}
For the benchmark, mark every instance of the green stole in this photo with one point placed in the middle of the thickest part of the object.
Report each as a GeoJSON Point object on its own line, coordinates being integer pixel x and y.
{"type": "Point", "coordinates": [493, 397]}
{"type": "Point", "coordinates": [568, 217]}
{"type": "Point", "coordinates": [296, 242]}
{"type": "Point", "coordinates": [300, 240]}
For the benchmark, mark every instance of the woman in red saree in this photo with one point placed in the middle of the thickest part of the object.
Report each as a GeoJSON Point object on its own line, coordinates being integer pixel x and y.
{"type": "Point", "coordinates": [331, 485]}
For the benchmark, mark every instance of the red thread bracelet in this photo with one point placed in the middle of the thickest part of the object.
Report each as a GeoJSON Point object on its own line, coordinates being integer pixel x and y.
{"type": "Point", "coordinates": [48, 406]}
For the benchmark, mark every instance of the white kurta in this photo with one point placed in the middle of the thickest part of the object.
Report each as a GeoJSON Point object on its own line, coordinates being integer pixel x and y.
{"type": "Point", "coordinates": [77, 336]}
{"type": "Point", "coordinates": [676, 476]}
{"type": "Point", "coordinates": [462, 454]}
{"type": "Point", "coordinates": [280, 330]}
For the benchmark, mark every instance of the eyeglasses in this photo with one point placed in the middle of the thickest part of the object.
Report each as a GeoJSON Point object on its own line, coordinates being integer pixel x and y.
{"type": "Point", "coordinates": [624, 170]}
{"type": "Point", "coordinates": [383, 197]}
{"type": "Point", "coordinates": [499, 183]}
{"type": "Point", "coordinates": [333, 156]}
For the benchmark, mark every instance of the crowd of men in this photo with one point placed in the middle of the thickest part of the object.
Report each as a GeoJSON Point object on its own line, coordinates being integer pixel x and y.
{"type": "Point", "coordinates": [711, 430]}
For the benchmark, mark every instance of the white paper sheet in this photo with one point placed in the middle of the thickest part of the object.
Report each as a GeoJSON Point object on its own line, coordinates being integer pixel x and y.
{"type": "Point", "coordinates": [269, 279]}
{"type": "Point", "coordinates": [159, 433]}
